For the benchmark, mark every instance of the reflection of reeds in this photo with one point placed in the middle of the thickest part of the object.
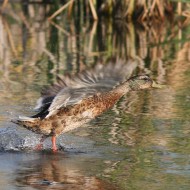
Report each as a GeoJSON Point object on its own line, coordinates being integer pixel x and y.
{"type": "Point", "coordinates": [61, 9]}
{"type": "Point", "coordinates": [104, 38]}
{"type": "Point", "coordinates": [70, 5]}
{"type": "Point", "coordinates": [10, 37]}
{"type": "Point", "coordinates": [81, 47]}
{"type": "Point", "coordinates": [140, 10]}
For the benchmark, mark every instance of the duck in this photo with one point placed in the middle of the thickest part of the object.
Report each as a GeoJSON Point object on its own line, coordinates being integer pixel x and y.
{"type": "Point", "coordinates": [73, 102]}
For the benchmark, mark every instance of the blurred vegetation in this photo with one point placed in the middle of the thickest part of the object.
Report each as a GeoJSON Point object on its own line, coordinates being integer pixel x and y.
{"type": "Point", "coordinates": [138, 10]}
{"type": "Point", "coordinates": [34, 42]}
{"type": "Point", "coordinates": [40, 40]}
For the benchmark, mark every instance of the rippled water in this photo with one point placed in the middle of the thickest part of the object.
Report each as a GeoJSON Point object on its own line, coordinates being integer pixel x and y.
{"type": "Point", "coordinates": [142, 143]}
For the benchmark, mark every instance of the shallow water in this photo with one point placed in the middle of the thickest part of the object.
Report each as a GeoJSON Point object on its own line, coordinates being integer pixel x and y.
{"type": "Point", "coordinates": [142, 143]}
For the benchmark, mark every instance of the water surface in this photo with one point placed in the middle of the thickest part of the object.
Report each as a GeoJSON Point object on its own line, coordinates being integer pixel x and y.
{"type": "Point", "coordinates": [142, 143]}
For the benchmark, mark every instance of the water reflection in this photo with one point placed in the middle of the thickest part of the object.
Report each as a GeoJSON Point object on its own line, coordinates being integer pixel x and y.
{"type": "Point", "coordinates": [151, 126]}
{"type": "Point", "coordinates": [61, 171]}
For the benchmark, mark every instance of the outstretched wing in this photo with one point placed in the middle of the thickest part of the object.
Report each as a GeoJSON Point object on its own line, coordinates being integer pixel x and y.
{"type": "Point", "coordinates": [71, 90]}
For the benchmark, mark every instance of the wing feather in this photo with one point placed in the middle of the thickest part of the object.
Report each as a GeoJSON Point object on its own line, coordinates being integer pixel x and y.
{"type": "Point", "coordinates": [70, 90]}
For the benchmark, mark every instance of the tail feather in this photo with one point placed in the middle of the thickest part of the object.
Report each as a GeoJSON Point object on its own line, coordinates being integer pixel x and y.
{"type": "Point", "coordinates": [24, 120]}
{"type": "Point", "coordinates": [32, 124]}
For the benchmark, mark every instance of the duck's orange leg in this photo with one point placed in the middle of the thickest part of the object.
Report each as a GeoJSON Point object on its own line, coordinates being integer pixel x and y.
{"type": "Point", "coordinates": [53, 140]}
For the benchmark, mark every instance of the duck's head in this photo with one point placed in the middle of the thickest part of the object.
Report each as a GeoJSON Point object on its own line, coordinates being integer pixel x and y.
{"type": "Point", "coordinates": [142, 82]}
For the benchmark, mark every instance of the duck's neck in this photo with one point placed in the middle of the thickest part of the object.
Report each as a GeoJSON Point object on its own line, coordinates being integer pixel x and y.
{"type": "Point", "coordinates": [122, 88]}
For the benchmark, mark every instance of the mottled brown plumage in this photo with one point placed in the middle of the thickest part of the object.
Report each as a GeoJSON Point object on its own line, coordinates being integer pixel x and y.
{"type": "Point", "coordinates": [73, 107]}
{"type": "Point", "coordinates": [71, 117]}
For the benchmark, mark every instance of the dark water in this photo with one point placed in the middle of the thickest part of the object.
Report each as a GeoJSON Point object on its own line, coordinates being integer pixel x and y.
{"type": "Point", "coordinates": [142, 143]}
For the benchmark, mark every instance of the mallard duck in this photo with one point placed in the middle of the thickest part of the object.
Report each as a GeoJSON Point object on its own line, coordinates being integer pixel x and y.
{"type": "Point", "coordinates": [66, 107]}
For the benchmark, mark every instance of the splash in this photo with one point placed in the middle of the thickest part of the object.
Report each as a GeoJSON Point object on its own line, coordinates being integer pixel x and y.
{"type": "Point", "coordinates": [15, 139]}
{"type": "Point", "coordinates": [12, 139]}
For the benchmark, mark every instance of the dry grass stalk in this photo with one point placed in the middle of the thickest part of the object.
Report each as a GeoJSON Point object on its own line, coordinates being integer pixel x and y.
{"type": "Point", "coordinates": [130, 9]}
{"type": "Point", "coordinates": [26, 23]}
{"type": "Point", "coordinates": [50, 55]}
{"type": "Point", "coordinates": [60, 10]}
{"type": "Point", "coordinates": [70, 9]}
{"type": "Point", "coordinates": [59, 28]}
{"type": "Point", "coordinates": [93, 10]}
{"type": "Point", "coordinates": [92, 34]}
{"type": "Point", "coordinates": [160, 6]}
{"type": "Point", "coordinates": [70, 5]}
{"type": "Point", "coordinates": [5, 2]}
{"type": "Point", "coordinates": [179, 8]}
{"type": "Point", "coordinates": [151, 9]}
{"type": "Point", "coordinates": [10, 37]}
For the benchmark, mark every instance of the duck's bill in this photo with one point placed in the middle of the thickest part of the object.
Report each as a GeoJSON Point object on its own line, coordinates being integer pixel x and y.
{"type": "Point", "coordinates": [155, 85]}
